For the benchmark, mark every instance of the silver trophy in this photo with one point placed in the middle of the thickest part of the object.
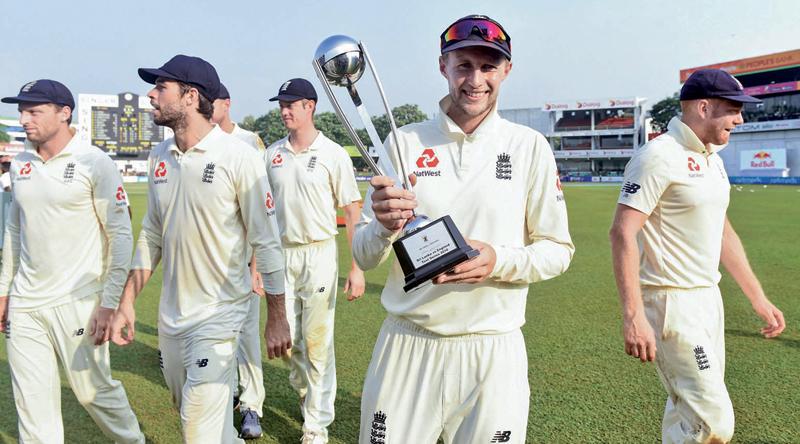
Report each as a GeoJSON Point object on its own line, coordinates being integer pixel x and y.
{"type": "Point", "coordinates": [426, 248]}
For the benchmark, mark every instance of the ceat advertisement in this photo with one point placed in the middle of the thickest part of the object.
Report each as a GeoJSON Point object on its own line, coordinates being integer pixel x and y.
{"type": "Point", "coordinates": [764, 159]}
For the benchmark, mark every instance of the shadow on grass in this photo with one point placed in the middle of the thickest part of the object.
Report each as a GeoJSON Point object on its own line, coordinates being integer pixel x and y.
{"type": "Point", "coordinates": [794, 343]}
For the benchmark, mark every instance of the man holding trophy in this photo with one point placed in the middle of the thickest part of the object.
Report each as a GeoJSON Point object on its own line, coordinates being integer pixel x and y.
{"type": "Point", "coordinates": [450, 361]}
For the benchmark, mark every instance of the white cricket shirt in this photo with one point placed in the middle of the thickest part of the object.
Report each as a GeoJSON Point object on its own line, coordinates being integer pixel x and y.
{"type": "Point", "coordinates": [309, 186]}
{"type": "Point", "coordinates": [500, 186]}
{"type": "Point", "coordinates": [685, 192]}
{"type": "Point", "coordinates": [248, 137]}
{"type": "Point", "coordinates": [204, 207]}
{"type": "Point", "coordinates": [68, 234]}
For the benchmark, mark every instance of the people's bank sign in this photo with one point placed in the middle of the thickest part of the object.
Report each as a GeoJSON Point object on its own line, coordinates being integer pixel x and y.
{"type": "Point", "coordinates": [765, 159]}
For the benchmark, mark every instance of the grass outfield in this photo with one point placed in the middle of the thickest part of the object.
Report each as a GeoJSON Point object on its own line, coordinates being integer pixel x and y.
{"type": "Point", "coordinates": [584, 388]}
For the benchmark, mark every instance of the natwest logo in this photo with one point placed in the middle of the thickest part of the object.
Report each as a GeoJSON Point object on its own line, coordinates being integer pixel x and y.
{"type": "Point", "coordinates": [277, 160]}
{"type": "Point", "coordinates": [693, 165]}
{"type": "Point", "coordinates": [26, 169]}
{"type": "Point", "coordinates": [160, 173]}
{"type": "Point", "coordinates": [428, 159]}
{"type": "Point", "coordinates": [270, 204]}
{"type": "Point", "coordinates": [122, 198]}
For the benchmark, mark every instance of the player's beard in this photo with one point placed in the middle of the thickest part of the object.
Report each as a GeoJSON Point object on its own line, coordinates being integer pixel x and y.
{"type": "Point", "coordinates": [171, 116]}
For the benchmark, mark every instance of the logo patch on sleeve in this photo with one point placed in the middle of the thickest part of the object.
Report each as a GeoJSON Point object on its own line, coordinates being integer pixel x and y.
{"type": "Point", "coordinates": [629, 188]}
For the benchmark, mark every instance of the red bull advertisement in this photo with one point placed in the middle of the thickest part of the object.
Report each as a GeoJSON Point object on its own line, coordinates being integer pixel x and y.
{"type": "Point", "coordinates": [763, 159]}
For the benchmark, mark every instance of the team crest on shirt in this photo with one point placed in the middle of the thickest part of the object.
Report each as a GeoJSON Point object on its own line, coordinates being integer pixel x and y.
{"type": "Point", "coordinates": [208, 173]}
{"type": "Point", "coordinates": [502, 169]}
{"type": "Point", "coordinates": [694, 168]}
{"type": "Point", "coordinates": [426, 163]}
{"type": "Point", "coordinates": [69, 172]}
{"type": "Point", "coordinates": [312, 163]}
{"type": "Point", "coordinates": [25, 172]}
{"type": "Point", "coordinates": [160, 173]}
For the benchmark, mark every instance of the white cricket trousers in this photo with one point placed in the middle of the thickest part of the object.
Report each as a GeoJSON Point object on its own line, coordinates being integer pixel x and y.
{"type": "Point", "coordinates": [465, 389]}
{"type": "Point", "coordinates": [199, 372]}
{"type": "Point", "coordinates": [690, 339]}
{"type": "Point", "coordinates": [311, 281]}
{"type": "Point", "coordinates": [34, 340]}
{"type": "Point", "coordinates": [248, 357]}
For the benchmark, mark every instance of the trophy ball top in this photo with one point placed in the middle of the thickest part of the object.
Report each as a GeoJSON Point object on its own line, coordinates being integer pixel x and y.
{"type": "Point", "coordinates": [341, 60]}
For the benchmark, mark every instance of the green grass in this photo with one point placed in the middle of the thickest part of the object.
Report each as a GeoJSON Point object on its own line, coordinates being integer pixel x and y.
{"type": "Point", "coordinates": [584, 388]}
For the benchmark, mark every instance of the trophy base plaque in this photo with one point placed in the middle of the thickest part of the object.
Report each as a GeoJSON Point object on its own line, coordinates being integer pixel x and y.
{"type": "Point", "coordinates": [431, 250]}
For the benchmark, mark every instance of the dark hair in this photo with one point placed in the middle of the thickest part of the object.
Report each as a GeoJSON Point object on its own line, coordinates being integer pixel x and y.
{"type": "Point", "coordinates": [204, 106]}
{"type": "Point", "coordinates": [58, 108]}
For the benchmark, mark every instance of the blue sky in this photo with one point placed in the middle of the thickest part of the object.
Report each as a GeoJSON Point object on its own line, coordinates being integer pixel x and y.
{"type": "Point", "coordinates": [563, 50]}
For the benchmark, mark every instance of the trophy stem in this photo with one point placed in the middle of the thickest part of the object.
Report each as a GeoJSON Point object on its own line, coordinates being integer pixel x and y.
{"type": "Point", "coordinates": [396, 140]}
{"type": "Point", "coordinates": [346, 123]}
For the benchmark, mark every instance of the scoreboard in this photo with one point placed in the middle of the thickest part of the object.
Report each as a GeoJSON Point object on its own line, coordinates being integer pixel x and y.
{"type": "Point", "coordinates": [120, 124]}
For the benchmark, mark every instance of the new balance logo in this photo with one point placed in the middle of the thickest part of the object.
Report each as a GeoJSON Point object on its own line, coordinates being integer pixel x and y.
{"type": "Point", "coordinates": [8, 329]}
{"type": "Point", "coordinates": [160, 360]}
{"type": "Point", "coordinates": [79, 332]}
{"type": "Point", "coordinates": [69, 172]}
{"type": "Point", "coordinates": [202, 363]}
{"type": "Point", "coordinates": [701, 358]}
{"type": "Point", "coordinates": [502, 436]}
{"type": "Point", "coordinates": [378, 433]}
{"type": "Point", "coordinates": [208, 173]}
{"type": "Point", "coordinates": [503, 167]}
{"type": "Point", "coordinates": [312, 163]}
{"type": "Point", "coordinates": [630, 187]}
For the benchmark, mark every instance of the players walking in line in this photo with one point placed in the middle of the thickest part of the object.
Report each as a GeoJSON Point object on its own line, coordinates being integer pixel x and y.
{"type": "Point", "coordinates": [312, 176]}
{"type": "Point", "coordinates": [450, 360]}
{"type": "Point", "coordinates": [206, 203]}
{"type": "Point", "coordinates": [670, 234]}
{"type": "Point", "coordinates": [250, 398]}
{"type": "Point", "coordinates": [66, 253]}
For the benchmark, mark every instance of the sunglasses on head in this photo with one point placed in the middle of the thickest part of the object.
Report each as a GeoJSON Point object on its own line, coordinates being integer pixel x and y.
{"type": "Point", "coordinates": [485, 28]}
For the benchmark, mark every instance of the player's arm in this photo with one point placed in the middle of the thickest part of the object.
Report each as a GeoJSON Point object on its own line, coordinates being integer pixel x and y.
{"type": "Point", "coordinates": [345, 190]}
{"type": "Point", "coordinates": [640, 340]}
{"type": "Point", "coordinates": [549, 248]}
{"type": "Point", "coordinates": [10, 260]}
{"type": "Point", "coordinates": [387, 208]}
{"type": "Point", "coordinates": [111, 209]}
{"type": "Point", "coordinates": [734, 260]}
{"type": "Point", "coordinates": [647, 177]}
{"type": "Point", "coordinates": [252, 188]}
{"type": "Point", "coordinates": [355, 284]}
{"type": "Point", "coordinates": [145, 260]}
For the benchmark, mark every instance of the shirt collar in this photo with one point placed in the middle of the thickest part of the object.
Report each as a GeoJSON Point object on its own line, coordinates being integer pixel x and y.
{"type": "Point", "coordinates": [207, 143]}
{"type": "Point", "coordinates": [313, 147]}
{"type": "Point", "coordinates": [449, 126]}
{"type": "Point", "coordinates": [686, 137]}
{"type": "Point", "coordinates": [68, 150]}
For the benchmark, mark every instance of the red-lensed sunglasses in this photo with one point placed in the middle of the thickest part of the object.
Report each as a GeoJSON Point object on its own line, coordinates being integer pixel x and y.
{"type": "Point", "coordinates": [487, 30]}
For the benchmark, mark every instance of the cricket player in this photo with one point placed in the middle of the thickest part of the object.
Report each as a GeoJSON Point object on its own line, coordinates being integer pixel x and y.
{"type": "Point", "coordinates": [670, 233]}
{"type": "Point", "coordinates": [206, 202]}
{"type": "Point", "coordinates": [222, 117]}
{"type": "Point", "coordinates": [250, 400]}
{"type": "Point", "coordinates": [67, 250]}
{"type": "Point", "coordinates": [312, 176]}
{"type": "Point", "coordinates": [450, 361]}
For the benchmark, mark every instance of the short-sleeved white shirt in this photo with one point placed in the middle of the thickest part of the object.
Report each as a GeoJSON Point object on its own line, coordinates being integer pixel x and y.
{"type": "Point", "coordinates": [205, 207]}
{"type": "Point", "coordinates": [309, 186]}
{"type": "Point", "coordinates": [683, 188]}
{"type": "Point", "coordinates": [248, 137]}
